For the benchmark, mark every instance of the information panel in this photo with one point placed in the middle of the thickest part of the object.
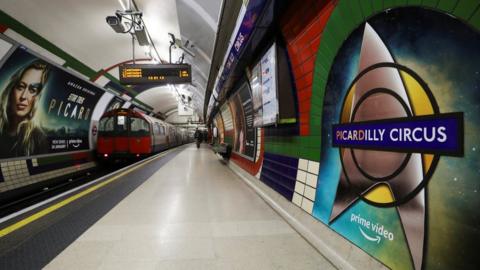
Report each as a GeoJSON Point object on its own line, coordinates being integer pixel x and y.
{"type": "Point", "coordinates": [155, 74]}
{"type": "Point", "coordinates": [269, 87]}
{"type": "Point", "coordinates": [263, 80]}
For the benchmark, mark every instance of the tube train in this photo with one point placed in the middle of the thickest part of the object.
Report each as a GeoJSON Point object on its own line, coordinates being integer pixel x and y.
{"type": "Point", "coordinates": [125, 133]}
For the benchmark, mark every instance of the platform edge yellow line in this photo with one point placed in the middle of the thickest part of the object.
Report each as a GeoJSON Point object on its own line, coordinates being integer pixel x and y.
{"type": "Point", "coordinates": [58, 205]}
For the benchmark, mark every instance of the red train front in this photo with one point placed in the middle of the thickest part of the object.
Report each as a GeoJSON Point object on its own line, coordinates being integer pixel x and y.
{"type": "Point", "coordinates": [125, 133]}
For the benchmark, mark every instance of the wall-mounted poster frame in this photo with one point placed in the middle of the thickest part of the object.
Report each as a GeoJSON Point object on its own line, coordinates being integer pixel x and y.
{"type": "Point", "coordinates": [263, 81]}
{"type": "Point", "coordinates": [245, 134]}
{"type": "Point", "coordinates": [50, 106]}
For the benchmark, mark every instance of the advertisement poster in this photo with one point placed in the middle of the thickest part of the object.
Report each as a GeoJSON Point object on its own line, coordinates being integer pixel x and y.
{"type": "Point", "coordinates": [238, 124]}
{"type": "Point", "coordinates": [245, 133]}
{"type": "Point", "coordinates": [250, 132]}
{"type": "Point", "coordinates": [44, 109]}
{"type": "Point", "coordinates": [255, 78]}
{"type": "Point", "coordinates": [249, 20]}
{"type": "Point", "coordinates": [399, 159]}
{"type": "Point", "coordinates": [269, 87]}
{"type": "Point", "coordinates": [115, 103]}
{"type": "Point", "coordinates": [219, 125]}
{"type": "Point", "coordinates": [227, 117]}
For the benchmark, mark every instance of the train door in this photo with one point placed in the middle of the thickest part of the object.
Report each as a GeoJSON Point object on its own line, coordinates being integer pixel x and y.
{"type": "Point", "coordinates": [120, 135]}
{"type": "Point", "coordinates": [155, 135]}
{"type": "Point", "coordinates": [159, 140]}
{"type": "Point", "coordinates": [171, 135]}
{"type": "Point", "coordinates": [164, 137]}
{"type": "Point", "coordinates": [106, 128]}
{"type": "Point", "coordinates": [140, 139]}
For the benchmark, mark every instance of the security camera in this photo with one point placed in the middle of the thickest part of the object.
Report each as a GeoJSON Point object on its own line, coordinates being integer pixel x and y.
{"type": "Point", "coordinates": [116, 23]}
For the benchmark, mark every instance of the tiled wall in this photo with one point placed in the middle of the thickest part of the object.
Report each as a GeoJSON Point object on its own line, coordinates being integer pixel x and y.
{"type": "Point", "coordinates": [302, 28]}
{"type": "Point", "coordinates": [284, 160]}
{"type": "Point", "coordinates": [279, 172]}
{"type": "Point", "coordinates": [20, 173]}
{"type": "Point", "coordinates": [306, 184]}
{"type": "Point", "coordinates": [314, 31]}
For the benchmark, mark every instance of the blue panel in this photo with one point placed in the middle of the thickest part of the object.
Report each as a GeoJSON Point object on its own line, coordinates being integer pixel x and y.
{"type": "Point", "coordinates": [282, 160]}
{"type": "Point", "coordinates": [280, 172]}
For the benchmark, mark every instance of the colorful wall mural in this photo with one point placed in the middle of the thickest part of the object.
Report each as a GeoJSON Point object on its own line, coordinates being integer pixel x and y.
{"type": "Point", "coordinates": [387, 78]}
{"type": "Point", "coordinates": [387, 155]}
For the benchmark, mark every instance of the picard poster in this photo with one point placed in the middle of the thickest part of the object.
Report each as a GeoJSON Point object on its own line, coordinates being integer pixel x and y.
{"type": "Point", "coordinates": [43, 109]}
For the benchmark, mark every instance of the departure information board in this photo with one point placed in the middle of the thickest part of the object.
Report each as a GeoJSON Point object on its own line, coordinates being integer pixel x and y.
{"type": "Point", "coordinates": [155, 74]}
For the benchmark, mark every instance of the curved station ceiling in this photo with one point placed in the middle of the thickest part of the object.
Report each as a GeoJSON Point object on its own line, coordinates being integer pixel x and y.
{"type": "Point", "coordinates": [79, 28]}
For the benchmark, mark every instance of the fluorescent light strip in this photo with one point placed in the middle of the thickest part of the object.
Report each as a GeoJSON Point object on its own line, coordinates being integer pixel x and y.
{"type": "Point", "coordinates": [122, 4]}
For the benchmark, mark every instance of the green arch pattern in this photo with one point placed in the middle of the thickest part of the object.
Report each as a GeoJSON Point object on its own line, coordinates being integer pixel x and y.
{"type": "Point", "coordinates": [348, 14]}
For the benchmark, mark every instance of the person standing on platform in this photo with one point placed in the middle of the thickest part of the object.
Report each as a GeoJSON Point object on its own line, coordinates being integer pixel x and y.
{"type": "Point", "coordinates": [199, 137]}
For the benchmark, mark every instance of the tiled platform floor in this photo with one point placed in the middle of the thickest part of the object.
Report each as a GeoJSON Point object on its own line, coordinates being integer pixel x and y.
{"type": "Point", "coordinates": [193, 213]}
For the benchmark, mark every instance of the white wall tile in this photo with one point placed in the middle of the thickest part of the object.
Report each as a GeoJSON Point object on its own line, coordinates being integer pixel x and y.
{"type": "Point", "coordinates": [310, 193]}
{"type": "Point", "coordinates": [313, 167]}
{"type": "Point", "coordinates": [312, 180]}
{"type": "Point", "coordinates": [299, 187]}
{"type": "Point", "coordinates": [301, 176]}
{"type": "Point", "coordinates": [307, 205]}
{"type": "Point", "coordinates": [102, 81]}
{"type": "Point", "coordinates": [303, 164]}
{"type": "Point", "coordinates": [297, 199]}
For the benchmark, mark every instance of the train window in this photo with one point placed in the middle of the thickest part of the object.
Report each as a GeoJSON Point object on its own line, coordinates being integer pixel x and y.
{"type": "Point", "coordinates": [163, 130]}
{"type": "Point", "coordinates": [121, 120]}
{"type": "Point", "coordinates": [121, 125]}
{"type": "Point", "coordinates": [106, 124]}
{"type": "Point", "coordinates": [159, 128]}
{"type": "Point", "coordinates": [139, 126]}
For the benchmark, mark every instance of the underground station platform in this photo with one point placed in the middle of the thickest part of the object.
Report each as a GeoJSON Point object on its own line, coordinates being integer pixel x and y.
{"type": "Point", "coordinates": [228, 134]}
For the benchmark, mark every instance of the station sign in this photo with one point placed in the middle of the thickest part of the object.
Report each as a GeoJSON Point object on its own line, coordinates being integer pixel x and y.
{"type": "Point", "coordinates": [133, 74]}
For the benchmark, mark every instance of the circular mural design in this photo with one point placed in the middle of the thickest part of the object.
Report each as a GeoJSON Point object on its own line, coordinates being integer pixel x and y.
{"type": "Point", "coordinates": [400, 117]}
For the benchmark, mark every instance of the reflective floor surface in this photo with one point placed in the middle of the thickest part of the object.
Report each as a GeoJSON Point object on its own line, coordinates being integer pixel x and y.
{"type": "Point", "coordinates": [193, 213]}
